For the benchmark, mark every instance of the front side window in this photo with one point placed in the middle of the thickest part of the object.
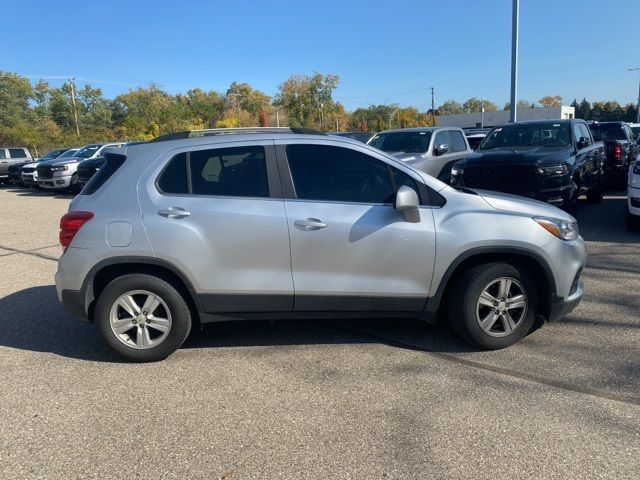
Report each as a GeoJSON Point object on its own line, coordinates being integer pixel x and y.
{"type": "Point", "coordinates": [584, 131]}
{"type": "Point", "coordinates": [17, 153]}
{"type": "Point", "coordinates": [233, 172]}
{"type": "Point", "coordinates": [324, 172]}
{"type": "Point", "coordinates": [3, 155]}
{"type": "Point", "coordinates": [442, 138]}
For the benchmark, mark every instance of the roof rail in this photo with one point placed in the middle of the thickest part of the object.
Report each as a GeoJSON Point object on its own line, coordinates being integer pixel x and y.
{"type": "Point", "coordinates": [234, 131]}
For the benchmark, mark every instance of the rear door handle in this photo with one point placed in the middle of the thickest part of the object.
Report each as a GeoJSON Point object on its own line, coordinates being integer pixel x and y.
{"type": "Point", "coordinates": [174, 212]}
{"type": "Point", "coordinates": [310, 224]}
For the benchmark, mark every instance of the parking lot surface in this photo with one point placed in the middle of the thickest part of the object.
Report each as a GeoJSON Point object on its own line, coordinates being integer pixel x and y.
{"type": "Point", "coordinates": [318, 399]}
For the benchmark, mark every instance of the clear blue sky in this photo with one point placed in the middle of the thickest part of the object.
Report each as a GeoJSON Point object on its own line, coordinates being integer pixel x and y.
{"type": "Point", "coordinates": [382, 50]}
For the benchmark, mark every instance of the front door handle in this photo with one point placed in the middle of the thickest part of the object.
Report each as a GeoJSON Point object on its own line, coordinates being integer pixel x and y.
{"type": "Point", "coordinates": [174, 212]}
{"type": "Point", "coordinates": [310, 224]}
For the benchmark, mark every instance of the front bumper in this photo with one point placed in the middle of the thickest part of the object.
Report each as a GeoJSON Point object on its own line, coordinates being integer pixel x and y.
{"type": "Point", "coordinates": [563, 306]}
{"type": "Point", "coordinates": [55, 182]}
{"type": "Point", "coordinates": [29, 179]}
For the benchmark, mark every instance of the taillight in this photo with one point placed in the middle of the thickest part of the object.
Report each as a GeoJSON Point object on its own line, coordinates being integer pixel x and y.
{"type": "Point", "coordinates": [617, 152]}
{"type": "Point", "coordinates": [70, 224]}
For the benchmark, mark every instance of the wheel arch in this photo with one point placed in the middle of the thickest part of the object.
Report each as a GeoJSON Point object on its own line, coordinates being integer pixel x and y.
{"type": "Point", "coordinates": [107, 270]}
{"type": "Point", "coordinates": [534, 263]}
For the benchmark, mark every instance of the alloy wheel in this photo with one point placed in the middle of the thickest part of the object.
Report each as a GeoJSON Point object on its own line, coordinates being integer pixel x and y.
{"type": "Point", "coordinates": [140, 319]}
{"type": "Point", "coordinates": [501, 307]}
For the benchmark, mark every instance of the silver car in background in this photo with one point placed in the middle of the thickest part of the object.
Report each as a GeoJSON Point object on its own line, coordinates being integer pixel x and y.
{"type": "Point", "coordinates": [433, 150]}
{"type": "Point", "coordinates": [220, 225]}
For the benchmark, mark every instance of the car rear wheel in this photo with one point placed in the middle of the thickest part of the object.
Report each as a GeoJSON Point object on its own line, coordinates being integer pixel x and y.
{"type": "Point", "coordinates": [493, 305]}
{"type": "Point", "coordinates": [142, 317]}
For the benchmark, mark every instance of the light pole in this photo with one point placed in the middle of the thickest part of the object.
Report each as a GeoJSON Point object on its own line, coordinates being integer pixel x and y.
{"type": "Point", "coordinates": [634, 69]}
{"type": "Point", "coordinates": [514, 60]}
{"type": "Point", "coordinates": [481, 113]}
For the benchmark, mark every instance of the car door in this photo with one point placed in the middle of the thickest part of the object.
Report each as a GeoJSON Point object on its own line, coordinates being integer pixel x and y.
{"type": "Point", "coordinates": [350, 249]}
{"type": "Point", "coordinates": [457, 150]}
{"type": "Point", "coordinates": [586, 157]}
{"type": "Point", "coordinates": [216, 212]}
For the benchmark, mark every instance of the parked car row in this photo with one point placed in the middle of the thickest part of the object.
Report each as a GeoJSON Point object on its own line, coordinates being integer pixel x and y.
{"type": "Point", "coordinates": [60, 169]}
{"type": "Point", "coordinates": [554, 161]}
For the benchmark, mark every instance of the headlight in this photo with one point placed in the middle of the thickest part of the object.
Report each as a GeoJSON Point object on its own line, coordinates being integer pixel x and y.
{"type": "Point", "coordinates": [457, 170]}
{"type": "Point", "coordinates": [636, 168]}
{"type": "Point", "coordinates": [558, 169]}
{"type": "Point", "coordinates": [60, 168]}
{"type": "Point", "coordinates": [563, 229]}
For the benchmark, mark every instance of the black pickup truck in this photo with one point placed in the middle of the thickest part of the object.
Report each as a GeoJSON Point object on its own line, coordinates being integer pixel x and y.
{"type": "Point", "coordinates": [550, 160]}
{"type": "Point", "coordinates": [620, 147]}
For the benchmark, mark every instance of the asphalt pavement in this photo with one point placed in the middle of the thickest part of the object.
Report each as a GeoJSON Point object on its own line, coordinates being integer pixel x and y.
{"type": "Point", "coordinates": [359, 399]}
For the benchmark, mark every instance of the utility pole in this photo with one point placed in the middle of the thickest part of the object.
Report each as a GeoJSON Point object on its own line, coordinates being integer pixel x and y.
{"type": "Point", "coordinates": [634, 69]}
{"type": "Point", "coordinates": [481, 113]}
{"type": "Point", "coordinates": [433, 108]}
{"type": "Point", "coordinates": [237, 106]}
{"type": "Point", "coordinates": [277, 117]}
{"type": "Point", "coordinates": [73, 102]}
{"type": "Point", "coordinates": [514, 60]}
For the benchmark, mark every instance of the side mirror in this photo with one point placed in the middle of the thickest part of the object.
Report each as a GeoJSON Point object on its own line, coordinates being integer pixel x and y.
{"type": "Point", "coordinates": [583, 142]}
{"type": "Point", "coordinates": [407, 202]}
{"type": "Point", "coordinates": [441, 149]}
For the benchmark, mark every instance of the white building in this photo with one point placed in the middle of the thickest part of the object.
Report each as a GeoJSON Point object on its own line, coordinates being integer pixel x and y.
{"type": "Point", "coordinates": [492, 119]}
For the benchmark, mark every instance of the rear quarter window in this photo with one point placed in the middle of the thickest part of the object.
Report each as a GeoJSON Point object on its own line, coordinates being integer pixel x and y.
{"type": "Point", "coordinates": [106, 171]}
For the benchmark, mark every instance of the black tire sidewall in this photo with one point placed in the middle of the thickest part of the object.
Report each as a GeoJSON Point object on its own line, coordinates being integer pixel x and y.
{"type": "Point", "coordinates": [465, 297]}
{"type": "Point", "coordinates": [180, 316]}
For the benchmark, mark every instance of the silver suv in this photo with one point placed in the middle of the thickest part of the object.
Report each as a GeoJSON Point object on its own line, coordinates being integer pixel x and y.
{"type": "Point", "coordinates": [433, 150]}
{"type": "Point", "coordinates": [280, 223]}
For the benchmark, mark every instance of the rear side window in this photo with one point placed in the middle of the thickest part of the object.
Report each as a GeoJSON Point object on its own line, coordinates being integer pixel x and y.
{"type": "Point", "coordinates": [3, 155]}
{"type": "Point", "coordinates": [17, 153]}
{"type": "Point", "coordinates": [112, 164]}
{"type": "Point", "coordinates": [232, 172]}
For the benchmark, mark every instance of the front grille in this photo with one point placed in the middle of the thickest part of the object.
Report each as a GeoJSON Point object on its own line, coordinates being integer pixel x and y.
{"type": "Point", "coordinates": [45, 172]}
{"type": "Point", "coordinates": [28, 169]}
{"type": "Point", "coordinates": [502, 178]}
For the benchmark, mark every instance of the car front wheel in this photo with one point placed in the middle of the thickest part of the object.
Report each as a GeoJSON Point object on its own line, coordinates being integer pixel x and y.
{"type": "Point", "coordinates": [493, 305]}
{"type": "Point", "coordinates": [142, 317]}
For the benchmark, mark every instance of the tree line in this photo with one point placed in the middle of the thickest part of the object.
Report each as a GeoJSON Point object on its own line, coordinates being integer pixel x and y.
{"type": "Point", "coordinates": [40, 116]}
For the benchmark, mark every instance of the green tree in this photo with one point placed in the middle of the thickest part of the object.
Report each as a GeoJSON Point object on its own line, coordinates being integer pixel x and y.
{"type": "Point", "coordinates": [308, 100]}
{"type": "Point", "coordinates": [450, 107]}
{"type": "Point", "coordinates": [519, 105]}
{"type": "Point", "coordinates": [16, 93]}
{"type": "Point", "coordinates": [475, 105]}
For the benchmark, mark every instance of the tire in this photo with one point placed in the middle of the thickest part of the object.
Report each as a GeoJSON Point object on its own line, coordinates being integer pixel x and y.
{"type": "Point", "coordinates": [465, 313]}
{"type": "Point", "coordinates": [633, 222]}
{"type": "Point", "coordinates": [172, 310]}
{"type": "Point", "coordinates": [73, 185]}
{"type": "Point", "coordinates": [595, 194]}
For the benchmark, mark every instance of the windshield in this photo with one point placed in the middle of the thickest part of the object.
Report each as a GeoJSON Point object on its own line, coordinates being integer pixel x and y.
{"type": "Point", "coordinates": [528, 135]}
{"type": "Point", "coordinates": [409, 142]}
{"type": "Point", "coordinates": [52, 154]}
{"type": "Point", "coordinates": [607, 131]}
{"type": "Point", "coordinates": [86, 152]}
{"type": "Point", "coordinates": [69, 153]}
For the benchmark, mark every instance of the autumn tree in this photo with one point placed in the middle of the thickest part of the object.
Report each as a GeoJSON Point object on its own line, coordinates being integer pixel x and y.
{"type": "Point", "coordinates": [551, 101]}
{"type": "Point", "coordinates": [475, 105]}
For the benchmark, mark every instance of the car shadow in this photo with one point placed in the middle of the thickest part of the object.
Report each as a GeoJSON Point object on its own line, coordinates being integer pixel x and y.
{"type": "Point", "coordinates": [33, 192]}
{"type": "Point", "coordinates": [604, 222]}
{"type": "Point", "coordinates": [33, 320]}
